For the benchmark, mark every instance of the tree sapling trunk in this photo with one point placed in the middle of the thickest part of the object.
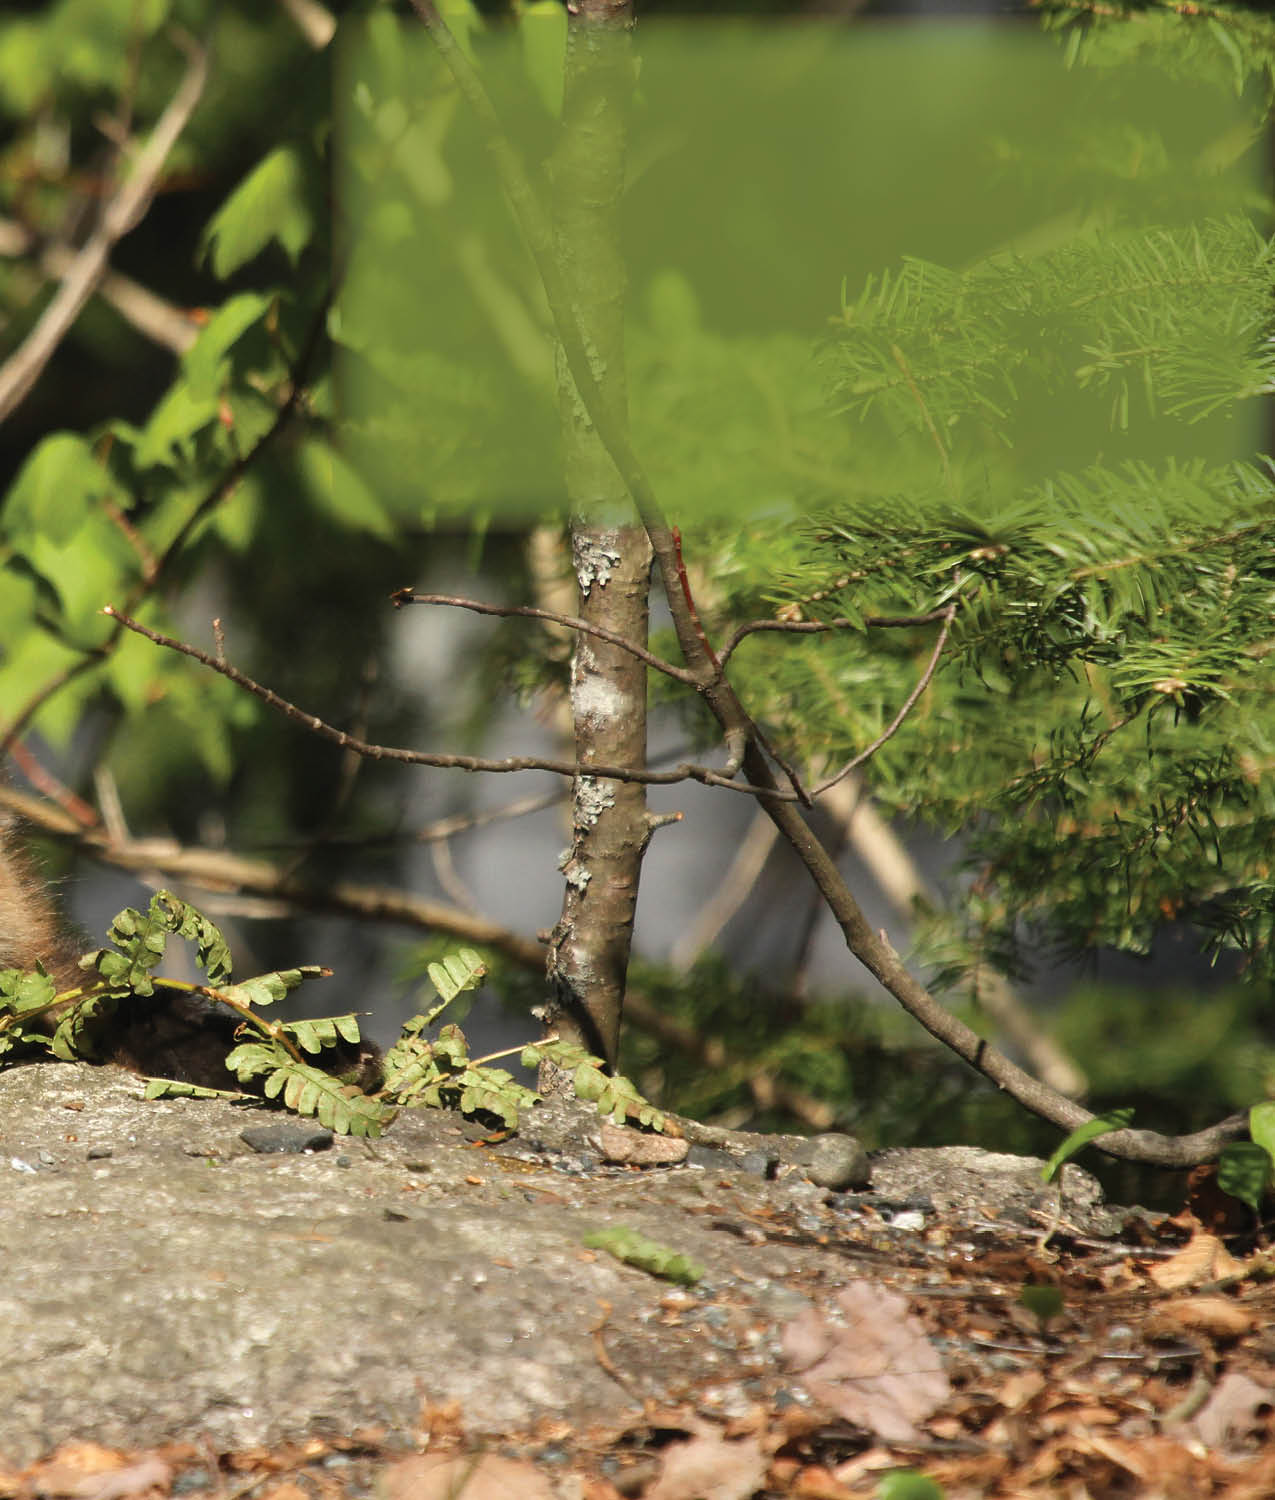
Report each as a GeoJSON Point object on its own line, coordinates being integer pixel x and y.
{"type": "Point", "coordinates": [589, 950]}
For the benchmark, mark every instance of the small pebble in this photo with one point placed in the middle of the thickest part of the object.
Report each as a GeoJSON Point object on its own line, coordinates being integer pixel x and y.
{"type": "Point", "coordinates": [711, 1159]}
{"type": "Point", "coordinates": [293, 1139]}
{"type": "Point", "coordinates": [836, 1161]}
{"type": "Point", "coordinates": [909, 1219]}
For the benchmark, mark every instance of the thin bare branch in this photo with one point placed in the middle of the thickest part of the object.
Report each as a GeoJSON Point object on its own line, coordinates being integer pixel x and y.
{"type": "Point", "coordinates": [440, 851]}
{"type": "Point", "coordinates": [447, 828]}
{"type": "Point", "coordinates": [570, 622]}
{"type": "Point", "coordinates": [729, 895]}
{"type": "Point", "coordinates": [125, 210]}
{"type": "Point", "coordinates": [162, 322]}
{"type": "Point", "coordinates": [905, 888]}
{"type": "Point", "coordinates": [692, 614]}
{"type": "Point", "coordinates": [908, 704]}
{"type": "Point", "coordinates": [820, 627]}
{"type": "Point", "coordinates": [45, 782]}
{"type": "Point", "coordinates": [217, 870]}
{"type": "Point", "coordinates": [314, 21]}
{"type": "Point", "coordinates": [314, 725]}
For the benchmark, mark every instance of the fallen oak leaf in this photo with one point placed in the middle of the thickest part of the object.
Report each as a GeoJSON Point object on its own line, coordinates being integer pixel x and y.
{"type": "Point", "coordinates": [708, 1466]}
{"type": "Point", "coordinates": [876, 1369]}
{"type": "Point", "coordinates": [1203, 1258]}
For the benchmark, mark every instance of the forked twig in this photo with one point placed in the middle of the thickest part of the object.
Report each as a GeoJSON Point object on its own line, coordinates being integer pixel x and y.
{"type": "Point", "coordinates": [789, 771]}
{"type": "Point", "coordinates": [570, 622]}
{"type": "Point", "coordinates": [820, 627]}
{"type": "Point", "coordinates": [685, 771]}
{"type": "Point", "coordinates": [908, 704]}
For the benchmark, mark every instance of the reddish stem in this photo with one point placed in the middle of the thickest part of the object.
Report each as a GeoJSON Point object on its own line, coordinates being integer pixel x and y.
{"type": "Point", "coordinates": [690, 602]}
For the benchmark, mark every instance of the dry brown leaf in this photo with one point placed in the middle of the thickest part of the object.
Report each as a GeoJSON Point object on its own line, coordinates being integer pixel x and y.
{"type": "Point", "coordinates": [1236, 1413]}
{"type": "Point", "coordinates": [710, 1467]}
{"type": "Point", "coordinates": [1220, 1317]}
{"type": "Point", "coordinates": [286, 1489]}
{"type": "Point", "coordinates": [88, 1471]}
{"type": "Point", "coordinates": [473, 1476]}
{"type": "Point", "coordinates": [143, 1477]}
{"type": "Point", "coordinates": [592, 1487]}
{"type": "Point", "coordinates": [815, 1482]}
{"type": "Point", "coordinates": [440, 1425]}
{"type": "Point", "coordinates": [877, 1369]}
{"type": "Point", "coordinates": [1020, 1388]}
{"type": "Point", "coordinates": [1203, 1258]}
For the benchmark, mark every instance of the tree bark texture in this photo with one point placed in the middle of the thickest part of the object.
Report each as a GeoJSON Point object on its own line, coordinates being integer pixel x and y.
{"type": "Point", "coordinates": [589, 950]}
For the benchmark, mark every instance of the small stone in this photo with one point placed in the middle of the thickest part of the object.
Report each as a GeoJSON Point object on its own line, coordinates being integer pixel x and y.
{"type": "Point", "coordinates": [910, 1219]}
{"type": "Point", "coordinates": [836, 1161]}
{"type": "Point", "coordinates": [190, 1481]}
{"type": "Point", "coordinates": [619, 1144]}
{"type": "Point", "coordinates": [711, 1159]}
{"type": "Point", "coordinates": [293, 1139]}
{"type": "Point", "coordinates": [99, 1153]}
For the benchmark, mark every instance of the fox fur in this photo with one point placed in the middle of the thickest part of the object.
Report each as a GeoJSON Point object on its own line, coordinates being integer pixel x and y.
{"type": "Point", "coordinates": [167, 1034]}
{"type": "Point", "coordinates": [31, 927]}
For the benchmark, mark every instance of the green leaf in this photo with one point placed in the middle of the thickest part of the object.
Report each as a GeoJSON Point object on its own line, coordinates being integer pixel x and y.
{"type": "Point", "coordinates": [31, 660]}
{"type": "Point", "coordinates": [212, 952]}
{"type": "Point", "coordinates": [22, 993]}
{"type": "Point", "coordinates": [909, 1484]}
{"type": "Point", "coordinates": [318, 1032]}
{"type": "Point", "coordinates": [310, 1091]}
{"type": "Point", "coordinates": [80, 1028]}
{"type": "Point", "coordinates": [25, 70]}
{"type": "Point", "coordinates": [176, 1088]}
{"type": "Point", "coordinates": [635, 1249]}
{"type": "Point", "coordinates": [84, 573]}
{"type": "Point", "coordinates": [1043, 1302]}
{"type": "Point", "coordinates": [410, 1066]}
{"type": "Point", "coordinates": [271, 203]}
{"type": "Point", "coordinates": [457, 972]}
{"type": "Point", "coordinates": [1261, 1126]}
{"type": "Point", "coordinates": [1115, 1119]}
{"type": "Point", "coordinates": [250, 1060]}
{"type": "Point", "coordinates": [614, 1094]}
{"type": "Point", "coordinates": [204, 361]}
{"type": "Point", "coordinates": [265, 989]}
{"type": "Point", "coordinates": [181, 414]}
{"type": "Point", "coordinates": [1244, 1171]}
{"type": "Point", "coordinates": [57, 488]}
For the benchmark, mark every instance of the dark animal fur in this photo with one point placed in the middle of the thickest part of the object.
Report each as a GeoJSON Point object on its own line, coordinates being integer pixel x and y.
{"type": "Point", "coordinates": [167, 1035]}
